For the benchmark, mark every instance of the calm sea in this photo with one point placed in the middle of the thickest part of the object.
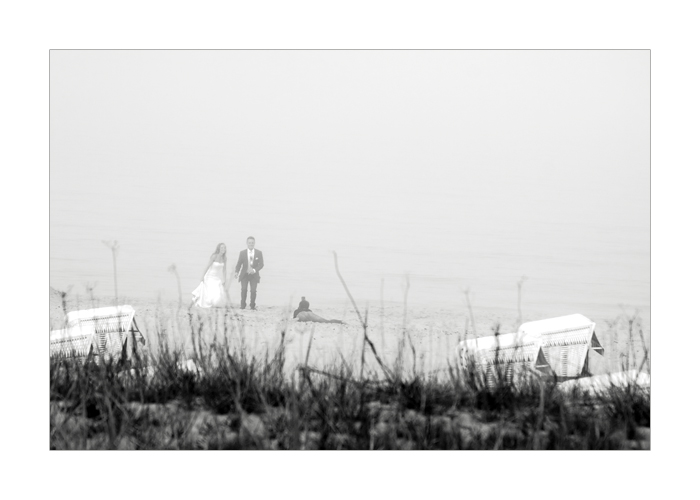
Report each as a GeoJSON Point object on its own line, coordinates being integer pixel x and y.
{"type": "Point", "coordinates": [575, 257]}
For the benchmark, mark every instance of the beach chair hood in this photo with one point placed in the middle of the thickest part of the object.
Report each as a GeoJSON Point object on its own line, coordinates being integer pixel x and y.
{"type": "Point", "coordinates": [101, 331]}
{"type": "Point", "coordinates": [565, 342]}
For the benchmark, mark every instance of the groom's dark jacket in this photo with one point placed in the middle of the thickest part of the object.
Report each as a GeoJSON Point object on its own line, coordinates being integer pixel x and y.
{"type": "Point", "coordinates": [242, 265]}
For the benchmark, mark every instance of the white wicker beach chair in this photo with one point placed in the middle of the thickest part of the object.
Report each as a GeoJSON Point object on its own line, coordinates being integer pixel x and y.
{"type": "Point", "coordinates": [556, 346]}
{"type": "Point", "coordinates": [105, 332]}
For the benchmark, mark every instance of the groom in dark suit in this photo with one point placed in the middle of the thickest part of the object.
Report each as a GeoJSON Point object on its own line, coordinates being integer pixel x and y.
{"type": "Point", "coordinates": [247, 271]}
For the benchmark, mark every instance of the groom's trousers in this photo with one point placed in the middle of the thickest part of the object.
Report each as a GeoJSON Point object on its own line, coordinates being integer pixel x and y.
{"type": "Point", "coordinates": [245, 280]}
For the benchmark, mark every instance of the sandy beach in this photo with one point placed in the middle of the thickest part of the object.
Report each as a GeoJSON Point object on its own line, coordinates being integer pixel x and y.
{"type": "Point", "coordinates": [431, 333]}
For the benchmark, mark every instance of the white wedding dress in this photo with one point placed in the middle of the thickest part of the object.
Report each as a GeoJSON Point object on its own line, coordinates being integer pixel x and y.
{"type": "Point", "coordinates": [210, 292]}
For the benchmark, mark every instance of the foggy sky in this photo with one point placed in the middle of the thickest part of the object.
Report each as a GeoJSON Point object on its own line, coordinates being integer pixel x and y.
{"type": "Point", "coordinates": [409, 153]}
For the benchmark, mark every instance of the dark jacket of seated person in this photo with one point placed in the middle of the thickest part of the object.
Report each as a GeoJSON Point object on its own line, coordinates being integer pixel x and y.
{"type": "Point", "coordinates": [303, 313]}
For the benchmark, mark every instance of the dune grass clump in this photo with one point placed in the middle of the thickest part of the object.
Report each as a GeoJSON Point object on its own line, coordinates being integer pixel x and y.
{"type": "Point", "coordinates": [221, 396]}
{"type": "Point", "coordinates": [216, 393]}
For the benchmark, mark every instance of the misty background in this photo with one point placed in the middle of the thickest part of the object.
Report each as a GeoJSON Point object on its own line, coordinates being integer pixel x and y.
{"type": "Point", "coordinates": [462, 169]}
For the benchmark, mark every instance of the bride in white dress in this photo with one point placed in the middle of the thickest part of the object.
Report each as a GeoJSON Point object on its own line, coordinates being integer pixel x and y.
{"type": "Point", "coordinates": [211, 292]}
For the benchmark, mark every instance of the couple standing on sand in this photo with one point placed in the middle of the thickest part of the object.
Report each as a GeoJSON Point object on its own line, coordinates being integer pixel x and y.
{"type": "Point", "coordinates": [213, 292]}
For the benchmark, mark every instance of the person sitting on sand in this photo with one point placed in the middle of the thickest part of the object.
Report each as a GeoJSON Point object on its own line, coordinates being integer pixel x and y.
{"type": "Point", "coordinates": [303, 313]}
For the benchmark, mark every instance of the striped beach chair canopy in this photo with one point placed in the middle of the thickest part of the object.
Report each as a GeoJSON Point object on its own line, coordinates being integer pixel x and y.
{"type": "Point", "coordinates": [101, 331]}
{"type": "Point", "coordinates": [565, 341]}
{"type": "Point", "coordinates": [505, 354]}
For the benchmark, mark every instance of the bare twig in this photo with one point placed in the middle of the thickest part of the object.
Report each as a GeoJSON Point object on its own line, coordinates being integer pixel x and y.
{"type": "Point", "coordinates": [381, 315]}
{"type": "Point", "coordinates": [362, 321]}
{"type": "Point", "coordinates": [90, 289]}
{"type": "Point", "coordinates": [520, 288]}
{"type": "Point", "coordinates": [405, 303]}
{"type": "Point", "coordinates": [114, 246]}
{"type": "Point", "coordinates": [308, 349]}
{"type": "Point", "coordinates": [471, 313]}
{"type": "Point", "coordinates": [413, 350]}
{"type": "Point", "coordinates": [362, 353]}
{"type": "Point", "coordinates": [402, 343]}
{"type": "Point", "coordinates": [347, 291]}
{"type": "Point", "coordinates": [64, 302]}
{"type": "Point", "coordinates": [173, 269]}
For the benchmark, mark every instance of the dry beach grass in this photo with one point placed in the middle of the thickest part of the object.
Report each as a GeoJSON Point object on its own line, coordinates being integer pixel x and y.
{"type": "Point", "coordinates": [258, 380]}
